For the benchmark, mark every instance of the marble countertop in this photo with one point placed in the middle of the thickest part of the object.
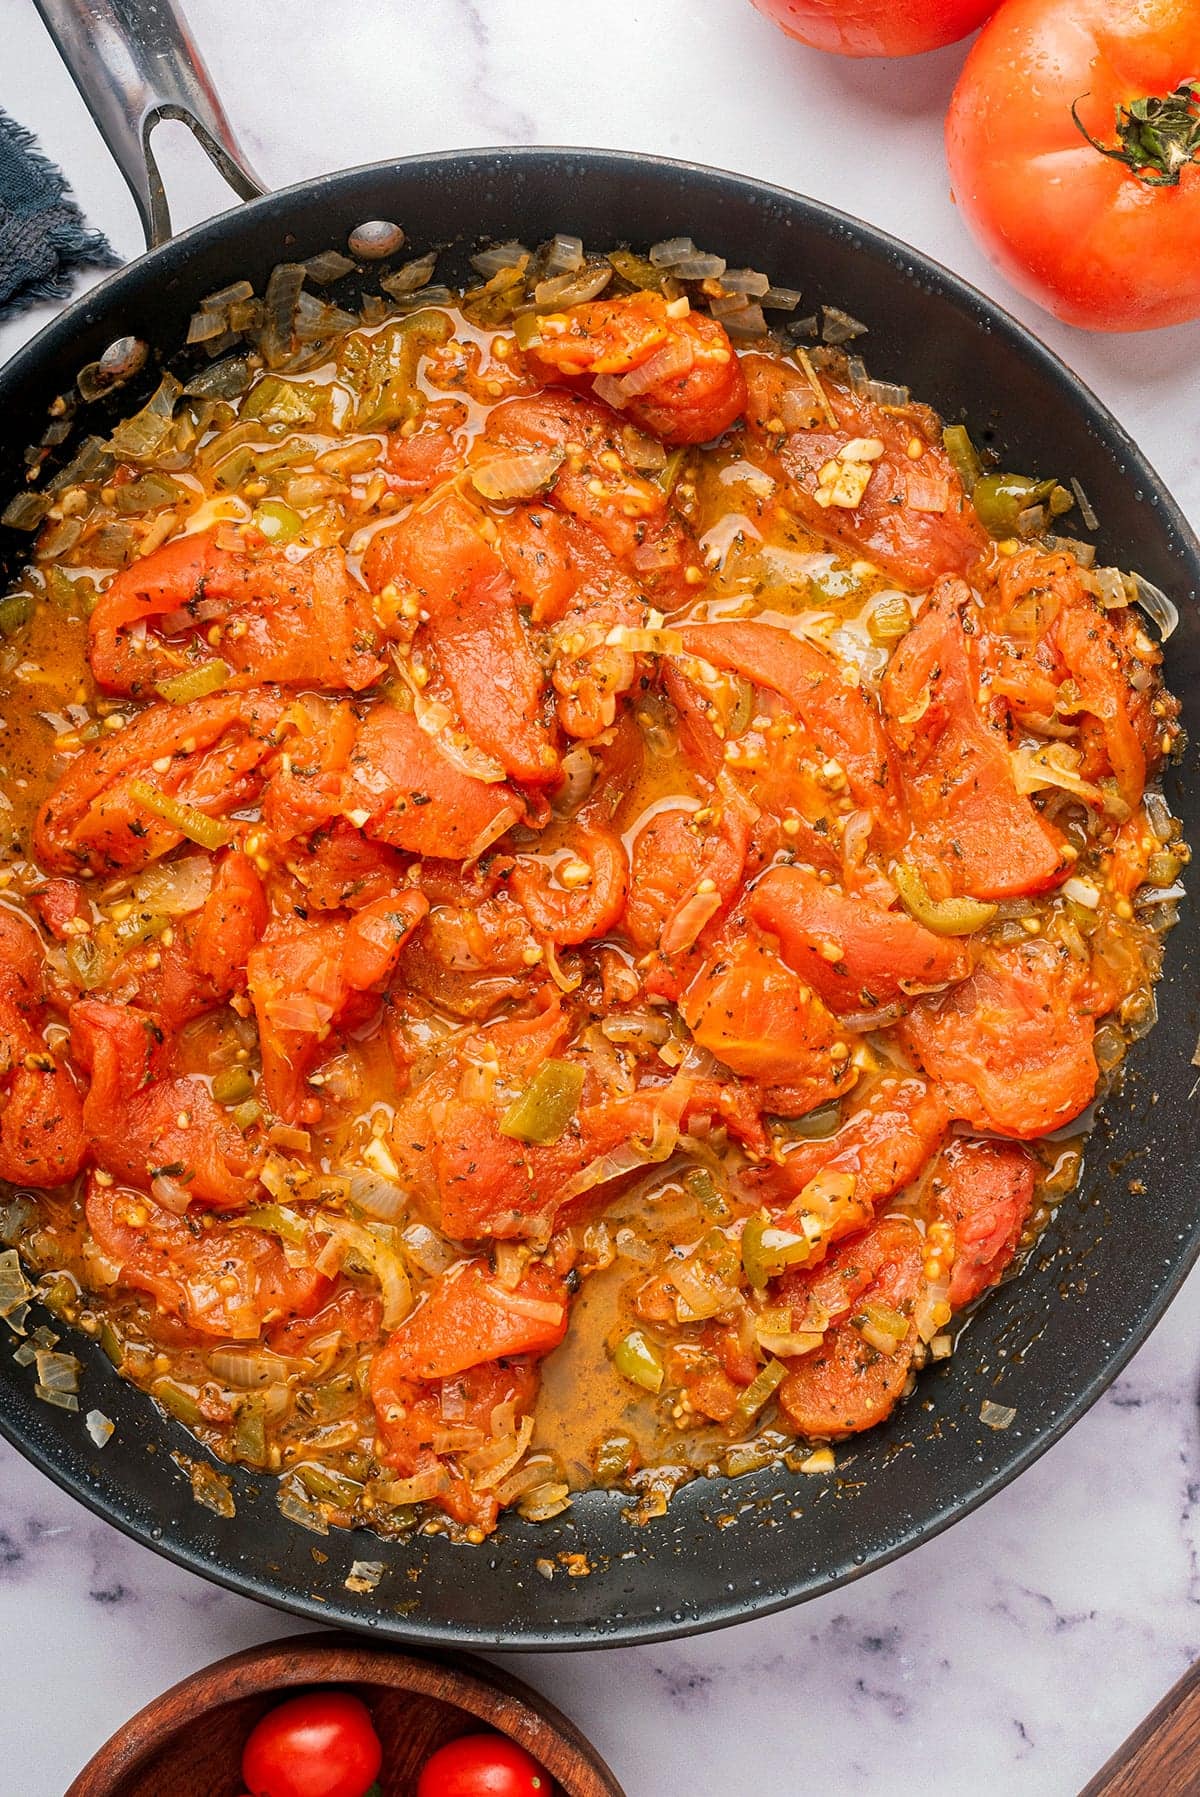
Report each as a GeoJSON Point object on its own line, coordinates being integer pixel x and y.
{"type": "Point", "coordinates": [1015, 1651]}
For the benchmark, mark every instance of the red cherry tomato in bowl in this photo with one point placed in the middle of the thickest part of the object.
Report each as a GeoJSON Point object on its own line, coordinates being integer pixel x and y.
{"type": "Point", "coordinates": [877, 27]}
{"type": "Point", "coordinates": [320, 1745]}
{"type": "Point", "coordinates": [482, 1766]}
{"type": "Point", "coordinates": [1074, 146]}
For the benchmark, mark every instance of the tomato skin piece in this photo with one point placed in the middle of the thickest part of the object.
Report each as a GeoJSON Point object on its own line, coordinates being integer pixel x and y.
{"type": "Point", "coordinates": [877, 27]}
{"type": "Point", "coordinates": [973, 833]}
{"type": "Point", "coordinates": [414, 796]}
{"type": "Point", "coordinates": [475, 631]}
{"type": "Point", "coordinates": [1079, 233]}
{"type": "Point", "coordinates": [885, 956]}
{"type": "Point", "coordinates": [482, 1766]}
{"type": "Point", "coordinates": [304, 622]}
{"type": "Point", "coordinates": [888, 524]}
{"type": "Point", "coordinates": [1010, 1046]}
{"type": "Point", "coordinates": [985, 1191]}
{"type": "Point", "coordinates": [322, 1744]}
{"type": "Point", "coordinates": [884, 1144]}
{"type": "Point", "coordinates": [846, 1385]}
{"type": "Point", "coordinates": [837, 716]}
{"type": "Point", "coordinates": [464, 1320]}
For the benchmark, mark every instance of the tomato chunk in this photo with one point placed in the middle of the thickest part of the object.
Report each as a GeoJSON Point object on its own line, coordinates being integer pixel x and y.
{"type": "Point", "coordinates": [468, 1317]}
{"type": "Point", "coordinates": [42, 1139]}
{"type": "Point", "coordinates": [839, 718]}
{"type": "Point", "coordinates": [847, 1384]}
{"type": "Point", "coordinates": [913, 518]}
{"type": "Point", "coordinates": [855, 953]}
{"type": "Point", "coordinates": [985, 1191]}
{"type": "Point", "coordinates": [214, 750]}
{"type": "Point", "coordinates": [883, 1146]}
{"type": "Point", "coordinates": [1010, 1046]}
{"type": "Point", "coordinates": [298, 622]}
{"type": "Point", "coordinates": [142, 1124]}
{"type": "Point", "coordinates": [228, 1283]}
{"type": "Point", "coordinates": [750, 1009]}
{"type": "Point", "coordinates": [475, 631]}
{"type": "Point", "coordinates": [232, 919]}
{"type": "Point", "coordinates": [404, 791]}
{"type": "Point", "coordinates": [973, 833]}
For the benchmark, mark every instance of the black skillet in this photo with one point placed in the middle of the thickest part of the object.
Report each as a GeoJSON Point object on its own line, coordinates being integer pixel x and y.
{"type": "Point", "coordinates": [1047, 1344]}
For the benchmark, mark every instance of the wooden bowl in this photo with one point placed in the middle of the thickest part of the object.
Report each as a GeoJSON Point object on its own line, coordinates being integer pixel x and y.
{"type": "Point", "coordinates": [188, 1742]}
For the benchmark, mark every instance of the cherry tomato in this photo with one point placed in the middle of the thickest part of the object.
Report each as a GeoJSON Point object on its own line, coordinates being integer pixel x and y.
{"type": "Point", "coordinates": [482, 1766]}
{"type": "Point", "coordinates": [320, 1745]}
{"type": "Point", "coordinates": [1074, 146]}
{"type": "Point", "coordinates": [877, 27]}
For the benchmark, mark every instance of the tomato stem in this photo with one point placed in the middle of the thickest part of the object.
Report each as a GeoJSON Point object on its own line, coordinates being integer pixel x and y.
{"type": "Point", "coordinates": [1157, 136]}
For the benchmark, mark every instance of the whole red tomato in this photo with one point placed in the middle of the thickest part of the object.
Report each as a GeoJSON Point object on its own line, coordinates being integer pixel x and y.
{"type": "Point", "coordinates": [1073, 138]}
{"type": "Point", "coordinates": [482, 1766]}
{"type": "Point", "coordinates": [877, 27]}
{"type": "Point", "coordinates": [320, 1745]}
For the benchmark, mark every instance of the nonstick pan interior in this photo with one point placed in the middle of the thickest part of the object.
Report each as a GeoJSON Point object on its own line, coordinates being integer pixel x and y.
{"type": "Point", "coordinates": [1047, 1343]}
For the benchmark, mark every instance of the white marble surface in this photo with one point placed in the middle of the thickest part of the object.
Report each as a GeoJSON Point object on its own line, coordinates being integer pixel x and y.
{"type": "Point", "coordinates": [1013, 1653]}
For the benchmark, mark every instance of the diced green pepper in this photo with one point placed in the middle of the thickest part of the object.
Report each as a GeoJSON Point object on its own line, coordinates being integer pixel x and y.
{"type": "Point", "coordinates": [248, 1114]}
{"type": "Point", "coordinates": [208, 832]}
{"type": "Point", "coordinates": [147, 494]}
{"type": "Point", "coordinates": [194, 683]}
{"type": "Point", "coordinates": [16, 609]}
{"type": "Point", "coordinates": [388, 390]}
{"type": "Point", "coordinates": [327, 1488]}
{"type": "Point", "coordinates": [945, 917]}
{"type": "Point", "coordinates": [111, 1344]}
{"type": "Point", "coordinates": [668, 475]}
{"type": "Point", "coordinates": [964, 456]}
{"type": "Point", "coordinates": [707, 1193]}
{"type": "Point", "coordinates": [636, 1359]}
{"type": "Point", "coordinates": [142, 926]}
{"type": "Point", "coordinates": [277, 401]}
{"type": "Point", "coordinates": [250, 1431]}
{"type": "Point", "coordinates": [889, 619]}
{"type": "Point", "coordinates": [761, 1388]}
{"type": "Point", "coordinates": [817, 1125]}
{"type": "Point", "coordinates": [288, 1225]}
{"type": "Point", "coordinates": [612, 1459]}
{"type": "Point", "coordinates": [768, 1250]}
{"type": "Point", "coordinates": [179, 1402]}
{"type": "Point", "coordinates": [232, 1085]}
{"type": "Point", "coordinates": [547, 1104]}
{"type": "Point", "coordinates": [236, 468]}
{"type": "Point", "coordinates": [1001, 500]}
{"type": "Point", "coordinates": [277, 521]}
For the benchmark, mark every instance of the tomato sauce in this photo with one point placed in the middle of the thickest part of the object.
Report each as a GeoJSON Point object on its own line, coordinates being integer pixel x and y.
{"type": "Point", "coordinates": [556, 884]}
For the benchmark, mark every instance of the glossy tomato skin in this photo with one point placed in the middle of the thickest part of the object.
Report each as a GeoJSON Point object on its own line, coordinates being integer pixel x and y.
{"type": "Point", "coordinates": [320, 1745]}
{"type": "Point", "coordinates": [877, 27]}
{"type": "Point", "coordinates": [482, 1766]}
{"type": "Point", "coordinates": [1074, 230]}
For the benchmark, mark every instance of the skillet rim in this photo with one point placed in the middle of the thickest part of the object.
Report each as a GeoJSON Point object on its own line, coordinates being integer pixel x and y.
{"type": "Point", "coordinates": [875, 244]}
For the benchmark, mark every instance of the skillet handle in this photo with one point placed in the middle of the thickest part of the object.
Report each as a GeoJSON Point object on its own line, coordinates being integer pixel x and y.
{"type": "Point", "coordinates": [135, 62]}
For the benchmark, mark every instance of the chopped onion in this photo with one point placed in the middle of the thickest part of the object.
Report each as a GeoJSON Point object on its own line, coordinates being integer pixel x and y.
{"type": "Point", "coordinates": [494, 1462]}
{"type": "Point", "coordinates": [1154, 602]}
{"type": "Point", "coordinates": [674, 359]}
{"type": "Point", "coordinates": [250, 1369]}
{"type": "Point", "coordinates": [671, 250]}
{"type": "Point", "coordinates": [1091, 522]}
{"type": "Point", "coordinates": [379, 1197]}
{"type": "Point", "coordinates": [888, 393]}
{"type": "Point", "coordinates": [637, 1026]}
{"type": "Point", "coordinates": [748, 323]}
{"type": "Point", "coordinates": [572, 289]}
{"type": "Point", "coordinates": [1082, 891]}
{"type": "Point", "coordinates": [174, 888]}
{"type": "Point", "coordinates": [545, 1501]}
{"type": "Point", "coordinates": [1110, 588]}
{"type": "Point", "coordinates": [170, 1193]}
{"type": "Point", "coordinates": [996, 1416]}
{"type": "Point", "coordinates": [564, 254]}
{"type": "Point", "coordinates": [517, 476]}
{"type": "Point", "coordinates": [382, 1260]}
{"type": "Point", "coordinates": [747, 280]}
{"type": "Point", "coordinates": [363, 1576]}
{"type": "Point", "coordinates": [701, 265]}
{"type": "Point", "coordinates": [426, 1249]}
{"type": "Point", "coordinates": [619, 1161]}
{"type": "Point", "coordinates": [99, 1427]}
{"type": "Point", "coordinates": [417, 1490]}
{"type": "Point", "coordinates": [489, 262]}
{"type": "Point", "coordinates": [838, 327]}
{"type": "Point", "coordinates": [535, 1310]}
